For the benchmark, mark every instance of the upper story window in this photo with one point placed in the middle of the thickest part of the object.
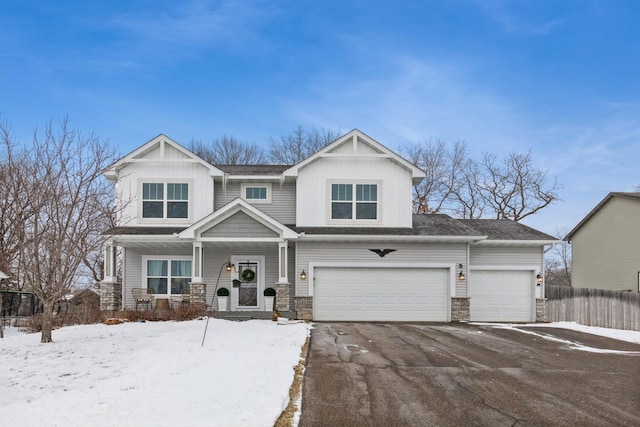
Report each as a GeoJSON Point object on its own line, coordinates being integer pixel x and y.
{"type": "Point", "coordinates": [256, 193]}
{"type": "Point", "coordinates": [354, 201]}
{"type": "Point", "coordinates": [165, 200]}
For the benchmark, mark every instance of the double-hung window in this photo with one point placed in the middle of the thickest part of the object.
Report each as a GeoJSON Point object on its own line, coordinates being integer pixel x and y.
{"type": "Point", "coordinates": [354, 201]}
{"type": "Point", "coordinates": [165, 200]}
{"type": "Point", "coordinates": [168, 276]}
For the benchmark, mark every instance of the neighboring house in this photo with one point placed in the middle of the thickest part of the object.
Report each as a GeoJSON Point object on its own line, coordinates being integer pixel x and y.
{"type": "Point", "coordinates": [605, 245]}
{"type": "Point", "coordinates": [333, 234]}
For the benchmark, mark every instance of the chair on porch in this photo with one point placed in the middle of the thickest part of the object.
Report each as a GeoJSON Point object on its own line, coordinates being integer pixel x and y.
{"type": "Point", "coordinates": [183, 298]}
{"type": "Point", "coordinates": [143, 296]}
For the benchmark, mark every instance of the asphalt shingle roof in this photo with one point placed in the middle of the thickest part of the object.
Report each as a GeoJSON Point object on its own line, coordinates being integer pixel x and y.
{"type": "Point", "coordinates": [505, 229]}
{"type": "Point", "coordinates": [437, 225]}
{"type": "Point", "coordinates": [253, 169]}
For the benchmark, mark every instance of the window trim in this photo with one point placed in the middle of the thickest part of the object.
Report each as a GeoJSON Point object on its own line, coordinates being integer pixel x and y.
{"type": "Point", "coordinates": [243, 192]}
{"type": "Point", "coordinates": [168, 259]}
{"type": "Point", "coordinates": [353, 220]}
{"type": "Point", "coordinates": [165, 201]}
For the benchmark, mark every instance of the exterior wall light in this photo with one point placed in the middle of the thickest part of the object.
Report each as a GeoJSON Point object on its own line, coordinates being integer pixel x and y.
{"type": "Point", "coordinates": [303, 275]}
{"type": "Point", "coordinates": [539, 279]}
{"type": "Point", "coordinates": [461, 274]}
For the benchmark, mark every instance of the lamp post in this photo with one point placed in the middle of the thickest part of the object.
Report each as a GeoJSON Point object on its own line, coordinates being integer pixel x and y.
{"type": "Point", "coordinates": [229, 267]}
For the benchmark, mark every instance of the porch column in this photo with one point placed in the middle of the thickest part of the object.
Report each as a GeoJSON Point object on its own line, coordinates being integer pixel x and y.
{"type": "Point", "coordinates": [109, 268]}
{"type": "Point", "coordinates": [196, 264]}
{"type": "Point", "coordinates": [283, 251]}
{"type": "Point", "coordinates": [110, 289]}
{"type": "Point", "coordinates": [197, 288]}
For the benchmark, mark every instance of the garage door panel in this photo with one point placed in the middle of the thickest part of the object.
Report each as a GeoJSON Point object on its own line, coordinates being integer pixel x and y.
{"type": "Point", "coordinates": [394, 294]}
{"type": "Point", "coordinates": [501, 296]}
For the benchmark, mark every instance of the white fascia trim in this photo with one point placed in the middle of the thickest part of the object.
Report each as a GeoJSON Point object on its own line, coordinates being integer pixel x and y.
{"type": "Point", "coordinates": [137, 238]}
{"type": "Point", "coordinates": [383, 237]}
{"type": "Point", "coordinates": [242, 239]}
{"type": "Point", "coordinates": [488, 242]}
{"type": "Point", "coordinates": [264, 178]}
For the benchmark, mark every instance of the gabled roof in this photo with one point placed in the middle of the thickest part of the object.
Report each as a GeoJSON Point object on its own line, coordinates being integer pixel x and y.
{"type": "Point", "coordinates": [231, 208]}
{"type": "Point", "coordinates": [159, 149]}
{"type": "Point", "coordinates": [607, 199]}
{"type": "Point", "coordinates": [357, 139]}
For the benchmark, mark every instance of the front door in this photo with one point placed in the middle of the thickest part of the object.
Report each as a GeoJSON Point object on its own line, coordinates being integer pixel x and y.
{"type": "Point", "coordinates": [248, 289]}
{"type": "Point", "coordinates": [247, 294]}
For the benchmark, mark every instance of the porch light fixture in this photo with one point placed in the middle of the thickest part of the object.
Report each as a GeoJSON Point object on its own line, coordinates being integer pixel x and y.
{"type": "Point", "coordinates": [461, 274]}
{"type": "Point", "coordinates": [303, 275]}
{"type": "Point", "coordinates": [539, 279]}
{"type": "Point", "coordinates": [230, 267]}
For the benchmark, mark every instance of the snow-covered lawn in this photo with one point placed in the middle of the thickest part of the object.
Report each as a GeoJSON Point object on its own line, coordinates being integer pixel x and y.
{"type": "Point", "coordinates": [157, 373]}
{"type": "Point", "coordinates": [150, 374]}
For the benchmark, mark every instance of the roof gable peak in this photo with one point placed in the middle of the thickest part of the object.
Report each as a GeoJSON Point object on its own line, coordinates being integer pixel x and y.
{"type": "Point", "coordinates": [357, 144]}
{"type": "Point", "coordinates": [158, 150]}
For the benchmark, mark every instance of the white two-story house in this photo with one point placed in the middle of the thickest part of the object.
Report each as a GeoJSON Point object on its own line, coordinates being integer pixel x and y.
{"type": "Point", "coordinates": [334, 235]}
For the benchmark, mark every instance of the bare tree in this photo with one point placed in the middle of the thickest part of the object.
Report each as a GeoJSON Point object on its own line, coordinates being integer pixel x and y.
{"type": "Point", "coordinates": [443, 169]}
{"type": "Point", "coordinates": [299, 144]}
{"type": "Point", "coordinates": [67, 200]}
{"type": "Point", "coordinates": [228, 151]}
{"type": "Point", "coordinates": [455, 183]}
{"type": "Point", "coordinates": [514, 188]}
{"type": "Point", "coordinates": [468, 201]}
{"type": "Point", "coordinates": [558, 261]}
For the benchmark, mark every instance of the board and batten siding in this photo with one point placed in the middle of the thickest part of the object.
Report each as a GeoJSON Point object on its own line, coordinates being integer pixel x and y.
{"type": "Point", "coordinates": [283, 200]}
{"type": "Point", "coordinates": [313, 199]}
{"type": "Point", "coordinates": [359, 253]}
{"type": "Point", "coordinates": [606, 250]}
{"type": "Point", "coordinates": [130, 190]}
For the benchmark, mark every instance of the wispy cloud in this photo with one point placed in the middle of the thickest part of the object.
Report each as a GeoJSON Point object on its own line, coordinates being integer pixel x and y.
{"type": "Point", "coordinates": [410, 100]}
{"type": "Point", "coordinates": [514, 18]}
{"type": "Point", "coordinates": [196, 24]}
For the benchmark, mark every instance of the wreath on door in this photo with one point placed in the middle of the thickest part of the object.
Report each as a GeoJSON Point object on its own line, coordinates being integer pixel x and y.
{"type": "Point", "coordinates": [248, 275]}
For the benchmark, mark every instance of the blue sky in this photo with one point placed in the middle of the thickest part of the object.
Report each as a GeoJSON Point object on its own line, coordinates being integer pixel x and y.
{"type": "Point", "coordinates": [559, 78]}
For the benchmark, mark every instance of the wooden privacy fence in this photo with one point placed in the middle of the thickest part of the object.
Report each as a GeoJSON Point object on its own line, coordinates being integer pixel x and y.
{"type": "Point", "coordinates": [593, 307]}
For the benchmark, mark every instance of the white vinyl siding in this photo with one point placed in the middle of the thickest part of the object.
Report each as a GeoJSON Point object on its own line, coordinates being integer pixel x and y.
{"type": "Point", "coordinates": [380, 294]}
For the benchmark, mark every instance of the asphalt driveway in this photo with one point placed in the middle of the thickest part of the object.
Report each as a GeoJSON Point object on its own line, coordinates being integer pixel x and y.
{"type": "Point", "coordinates": [397, 374]}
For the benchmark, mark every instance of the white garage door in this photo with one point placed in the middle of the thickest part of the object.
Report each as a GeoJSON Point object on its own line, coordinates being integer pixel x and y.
{"type": "Point", "coordinates": [371, 294]}
{"type": "Point", "coordinates": [501, 296]}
